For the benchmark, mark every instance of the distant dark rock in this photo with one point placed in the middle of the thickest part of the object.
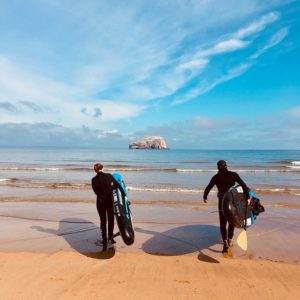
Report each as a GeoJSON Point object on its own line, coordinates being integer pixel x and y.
{"type": "Point", "coordinates": [151, 142]}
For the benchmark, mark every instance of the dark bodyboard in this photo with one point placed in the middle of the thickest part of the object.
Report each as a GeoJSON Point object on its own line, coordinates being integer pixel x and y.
{"type": "Point", "coordinates": [122, 212]}
{"type": "Point", "coordinates": [235, 208]}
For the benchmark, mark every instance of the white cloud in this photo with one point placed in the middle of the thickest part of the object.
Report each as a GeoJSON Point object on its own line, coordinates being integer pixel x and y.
{"type": "Point", "coordinates": [274, 40]}
{"type": "Point", "coordinates": [197, 64]}
{"type": "Point", "coordinates": [48, 134]}
{"type": "Point", "coordinates": [116, 110]}
{"type": "Point", "coordinates": [257, 25]}
{"type": "Point", "coordinates": [208, 86]}
{"type": "Point", "coordinates": [48, 100]}
{"type": "Point", "coordinates": [224, 47]}
{"type": "Point", "coordinates": [18, 83]}
{"type": "Point", "coordinates": [89, 113]}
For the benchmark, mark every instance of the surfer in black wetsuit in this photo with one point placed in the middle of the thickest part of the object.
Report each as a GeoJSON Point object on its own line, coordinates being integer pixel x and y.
{"type": "Point", "coordinates": [103, 185]}
{"type": "Point", "coordinates": [224, 180]}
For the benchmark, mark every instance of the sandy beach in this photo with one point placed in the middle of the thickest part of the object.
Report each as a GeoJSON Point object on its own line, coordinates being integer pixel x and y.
{"type": "Point", "coordinates": [48, 251]}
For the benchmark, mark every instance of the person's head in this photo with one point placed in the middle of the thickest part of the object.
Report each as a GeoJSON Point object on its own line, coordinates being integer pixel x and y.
{"type": "Point", "coordinates": [222, 165]}
{"type": "Point", "coordinates": [98, 167]}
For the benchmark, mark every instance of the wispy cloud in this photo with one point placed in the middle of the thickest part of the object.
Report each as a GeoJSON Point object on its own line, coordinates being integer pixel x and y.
{"type": "Point", "coordinates": [224, 47]}
{"type": "Point", "coordinates": [20, 107]}
{"type": "Point", "coordinates": [207, 86]}
{"type": "Point", "coordinates": [274, 40]}
{"type": "Point", "coordinates": [48, 134]}
{"type": "Point", "coordinates": [193, 65]}
{"type": "Point", "coordinates": [230, 44]}
{"type": "Point", "coordinates": [32, 106]}
{"type": "Point", "coordinates": [7, 106]}
{"type": "Point", "coordinates": [257, 25]}
{"type": "Point", "coordinates": [53, 99]}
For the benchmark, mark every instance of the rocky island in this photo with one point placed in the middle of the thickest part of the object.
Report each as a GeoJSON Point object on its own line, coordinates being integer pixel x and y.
{"type": "Point", "coordinates": [151, 142]}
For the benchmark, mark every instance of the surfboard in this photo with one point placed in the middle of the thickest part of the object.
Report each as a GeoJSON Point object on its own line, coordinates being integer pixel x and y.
{"type": "Point", "coordinates": [122, 212]}
{"type": "Point", "coordinates": [236, 209]}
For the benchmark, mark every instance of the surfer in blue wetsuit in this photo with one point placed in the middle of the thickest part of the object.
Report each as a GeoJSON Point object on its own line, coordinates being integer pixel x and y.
{"type": "Point", "coordinates": [103, 185]}
{"type": "Point", "coordinates": [224, 180]}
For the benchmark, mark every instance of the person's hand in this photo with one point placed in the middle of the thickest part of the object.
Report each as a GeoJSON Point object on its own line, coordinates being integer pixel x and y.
{"type": "Point", "coordinates": [204, 200]}
{"type": "Point", "coordinates": [249, 199]}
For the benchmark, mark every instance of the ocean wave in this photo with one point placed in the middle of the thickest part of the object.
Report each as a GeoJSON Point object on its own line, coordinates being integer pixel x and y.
{"type": "Point", "coordinates": [142, 169]}
{"type": "Point", "coordinates": [291, 170]}
{"type": "Point", "coordinates": [84, 169]}
{"type": "Point", "coordinates": [30, 169]}
{"type": "Point", "coordinates": [294, 167]}
{"type": "Point", "coordinates": [118, 168]}
{"type": "Point", "coordinates": [282, 190]}
{"type": "Point", "coordinates": [4, 179]}
{"type": "Point", "coordinates": [29, 183]}
{"type": "Point", "coordinates": [285, 162]}
{"type": "Point", "coordinates": [67, 185]}
{"type": "Point", "coordinates": [32, 184]}
{"type": "Point", "coordinates": [195, 170]}
{"type": "Point", "coordinates": [8, 180]}
{"type": "Point", "coordinates": [58, 185]}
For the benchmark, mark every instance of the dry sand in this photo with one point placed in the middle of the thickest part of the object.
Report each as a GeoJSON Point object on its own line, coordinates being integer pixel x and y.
{"type": "Point", "coordinates": [48, 251]}
{"type": "Point", "coordinates": [68, 275]}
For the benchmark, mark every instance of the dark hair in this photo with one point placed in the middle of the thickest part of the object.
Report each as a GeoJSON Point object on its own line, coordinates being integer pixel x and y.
{"type": "Point", "coordinates": [98, 167]}
{"type": "Point", "coordinates": [221, 163]}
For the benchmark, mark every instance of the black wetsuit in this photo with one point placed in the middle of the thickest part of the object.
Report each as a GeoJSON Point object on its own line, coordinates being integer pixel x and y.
{"type": "Point", "coordinates": [224, 180]}
{"type": "Point", "coordinates": [103, 184]}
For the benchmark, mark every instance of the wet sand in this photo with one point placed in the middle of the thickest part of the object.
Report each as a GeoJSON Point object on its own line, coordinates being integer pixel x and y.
{"type": "Point", "coordinates": [48, 251]}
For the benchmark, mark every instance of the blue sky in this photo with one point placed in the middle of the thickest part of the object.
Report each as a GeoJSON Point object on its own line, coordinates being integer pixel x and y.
{"type": "Point", "coordinates": [202, 74]}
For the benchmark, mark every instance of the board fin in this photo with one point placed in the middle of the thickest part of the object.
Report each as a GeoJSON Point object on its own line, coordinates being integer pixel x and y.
{"type": "Point", "coordinates": [242, 240]}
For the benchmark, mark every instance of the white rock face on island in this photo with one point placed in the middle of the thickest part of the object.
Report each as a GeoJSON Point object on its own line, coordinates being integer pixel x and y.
{"type": "Point", "coordinates": [151, 142]}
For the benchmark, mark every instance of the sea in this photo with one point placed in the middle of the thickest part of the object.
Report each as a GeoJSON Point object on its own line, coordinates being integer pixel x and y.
{"type": "Point", "coordinates": [151, 176]}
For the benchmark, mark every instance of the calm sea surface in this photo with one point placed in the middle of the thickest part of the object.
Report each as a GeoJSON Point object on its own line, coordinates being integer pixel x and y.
{"type": "Point", "coordinates": [45, 173]}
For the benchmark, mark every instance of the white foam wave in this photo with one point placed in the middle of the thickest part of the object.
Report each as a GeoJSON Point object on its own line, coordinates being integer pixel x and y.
{"type": "Point", "coordinates": [69, 186]}
{"type": "Point", "coordinates": [294, 167]}
{"type": "Point", "coordinates": [4, 179]}
{"type": "Point", "coordinates": [194, 170]}
{"type": "Point", "coordinates": [296, 162]}
{"type": "Point", "coordinates": [30, 169]}
{"type": "Point", "coordinates": [288, 169]}
{"type": "Point", "coordinates": [267, 171]}
{"type": "Point", "coordinates": [293, 191]}
{"type": "Point", "coordinates": [271, 190]}
{"type": "Point", "coordinates": [129, 169]}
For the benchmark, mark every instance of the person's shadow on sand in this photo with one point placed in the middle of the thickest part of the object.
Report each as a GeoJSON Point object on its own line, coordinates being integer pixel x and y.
{"type": "Point", "coordinates": [182, 240]}
{"type": "Point", "coordinates": [81, 235]}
